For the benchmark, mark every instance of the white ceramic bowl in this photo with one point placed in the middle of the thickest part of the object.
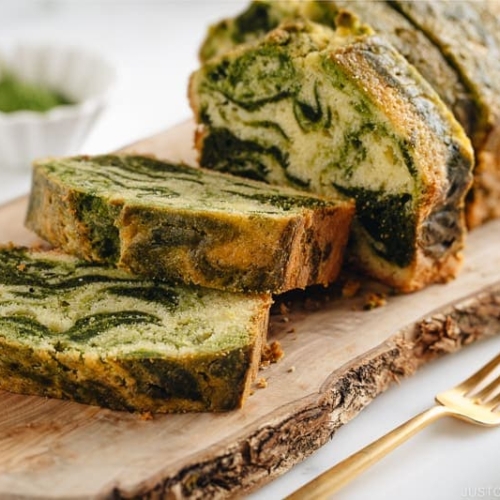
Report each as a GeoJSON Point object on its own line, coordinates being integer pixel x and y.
{"type": "Point", "coordinates": [84, 78]}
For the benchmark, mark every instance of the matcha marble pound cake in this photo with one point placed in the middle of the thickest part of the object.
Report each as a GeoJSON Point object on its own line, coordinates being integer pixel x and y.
{"type": "Point", "coordinates": [336, 112]}
{"type": "Point", "coordinates": [97, 335]}
{"type": "Point", "coordinates": [467, 33]}
{"type": "Point", "coordinates": [186, 224]}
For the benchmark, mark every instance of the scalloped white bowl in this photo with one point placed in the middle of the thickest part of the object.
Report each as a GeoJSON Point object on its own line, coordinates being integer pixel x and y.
{"type": "Point", "coordinates": [83, 77]}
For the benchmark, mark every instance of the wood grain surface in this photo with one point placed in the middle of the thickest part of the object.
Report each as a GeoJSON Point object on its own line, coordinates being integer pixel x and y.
{"type": "Point", "coordinates": [339, 355]}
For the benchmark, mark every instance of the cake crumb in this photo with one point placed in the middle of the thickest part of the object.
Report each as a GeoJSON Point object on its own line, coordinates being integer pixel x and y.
{"type": "Point", "coordinates": [261, 383]}
{"type": "Point", "coordinates": [291, 369]}
{"type": "Point", "coordinates": [271, 353]}
{"type": "Point", "coordinates": [374, 300]}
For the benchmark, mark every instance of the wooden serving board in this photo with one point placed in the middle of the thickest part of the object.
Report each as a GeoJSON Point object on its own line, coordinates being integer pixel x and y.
{"type": "Point", "coordinates": [338, 357]}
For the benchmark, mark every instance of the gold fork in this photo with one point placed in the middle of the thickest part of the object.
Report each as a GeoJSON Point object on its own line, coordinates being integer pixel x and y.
{"type": "Point", "coordinates": [475, 400]}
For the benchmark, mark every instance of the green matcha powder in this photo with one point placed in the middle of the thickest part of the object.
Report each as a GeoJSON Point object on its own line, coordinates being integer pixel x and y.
{"type": "Point", "coordinates": [16, 95]}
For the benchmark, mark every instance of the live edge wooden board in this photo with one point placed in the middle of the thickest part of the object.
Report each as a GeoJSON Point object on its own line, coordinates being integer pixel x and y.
{"type": "Point", "coordinates": [338, 357]}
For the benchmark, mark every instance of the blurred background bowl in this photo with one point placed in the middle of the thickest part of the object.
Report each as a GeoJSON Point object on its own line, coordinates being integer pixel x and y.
{"type": "Point", "coordinates": [84, 78]}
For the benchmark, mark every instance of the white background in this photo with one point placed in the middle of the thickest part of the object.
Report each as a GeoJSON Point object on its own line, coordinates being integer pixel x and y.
{"type": "Point", "coordinates": [154, 47]}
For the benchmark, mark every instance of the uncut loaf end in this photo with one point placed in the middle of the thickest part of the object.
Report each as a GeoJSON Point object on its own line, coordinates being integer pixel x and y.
{"type": "Point", "coordinates": [185, 224]}
{"type": "Point", "coordinates": [98, 335]}
{"type": "Point", "coordinates": [342, 112]}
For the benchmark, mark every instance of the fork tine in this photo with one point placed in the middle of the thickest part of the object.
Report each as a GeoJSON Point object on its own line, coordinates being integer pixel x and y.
{"type": "Point", "coordinates": [480, 375]}
{"type": "Point", "coordinates": [488, 391]}
{"type": "Point", "coordinates": [494, 403]}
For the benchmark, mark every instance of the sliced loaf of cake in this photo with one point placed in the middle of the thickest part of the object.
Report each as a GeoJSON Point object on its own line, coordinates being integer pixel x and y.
{"type": "Point", "coordinates": [185, 224]}
{"type": "Point", "coordinates": [338, 112]}
{"type": "Point", "coordinates": [97, 335]}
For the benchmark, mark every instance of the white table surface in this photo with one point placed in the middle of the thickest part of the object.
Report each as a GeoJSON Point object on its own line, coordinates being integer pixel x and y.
{"type": "Point", "coordinates": [154, 47]}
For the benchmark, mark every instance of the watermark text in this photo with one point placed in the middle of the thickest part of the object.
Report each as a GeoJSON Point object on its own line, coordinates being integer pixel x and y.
{"type": "Point", "coordinates": [481, 492]}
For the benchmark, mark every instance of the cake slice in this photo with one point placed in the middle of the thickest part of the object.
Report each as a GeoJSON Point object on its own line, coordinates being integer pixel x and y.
{"type": "Point", "coordinates": [98, 335]}
{"type": "Point", "coordinates": [185, 224]}
{"type": "Point", "coordinates": [339, 112]}
{"type": "Point", "coordinates": [467, 33]}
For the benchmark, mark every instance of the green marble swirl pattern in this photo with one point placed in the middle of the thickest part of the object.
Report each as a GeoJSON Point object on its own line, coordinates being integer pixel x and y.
{"type": "Point", "coordinates": [185, 224]}
{"type": "Point", "coordinates": [142, 181]}
{"type": "Point", "coordinates": [98, 335]}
